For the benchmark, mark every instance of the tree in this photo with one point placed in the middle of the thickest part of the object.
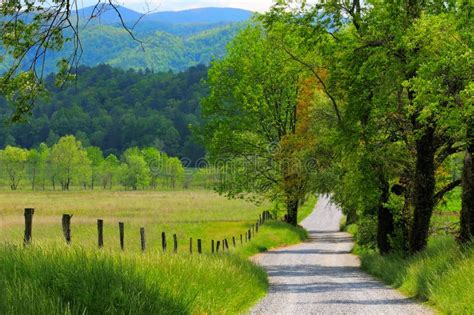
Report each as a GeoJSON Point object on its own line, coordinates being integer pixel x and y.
{"type": "Point", "coordinates": [467, 210]}
{"type": "Point", "coordinates": [109, 171]}
{"type": "Point", "coordinates": [42, 170]}
{"type": "Point", "coordinates": [28, 32]}
{"type": "Point", "coordinates": [135, 172]}
{"type": "Point", "coordinates": [34, 163]}
{"type": "Point", "coordinates": [96, 157]}
{"type": "Point", "coordinates": [154, 159]}
{"type": "Point", "coordinates": [251, 117]}
{"type": "Point", "coordinates": [396, 73]}
{"type": "Point", "coordinates": [174, 170]}
{"type": "Point", "coordinates": [69, 162]}
{"type": "Point", "coordinates": [13, 160]}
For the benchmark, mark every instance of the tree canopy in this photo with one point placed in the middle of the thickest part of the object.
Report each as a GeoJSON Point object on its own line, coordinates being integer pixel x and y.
{"type": "Point", "coordinates": [390, 107]}
{"type": "Point", "coordinates": [115, 109]}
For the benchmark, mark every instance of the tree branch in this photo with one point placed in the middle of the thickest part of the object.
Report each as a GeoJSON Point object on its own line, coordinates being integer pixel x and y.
{"type": "Point", "coordinates": [440, 194]}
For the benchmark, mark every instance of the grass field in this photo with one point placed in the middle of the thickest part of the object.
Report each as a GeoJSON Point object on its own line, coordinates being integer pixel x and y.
{"type": "Point", "coordinates": [196, 214]}
{"type": "Point", "coordinates": [50, 277]}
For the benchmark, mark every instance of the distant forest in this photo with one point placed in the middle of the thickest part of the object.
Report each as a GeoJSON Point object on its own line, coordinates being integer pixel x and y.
{"type": "Point", "coordinates": [116, 109]}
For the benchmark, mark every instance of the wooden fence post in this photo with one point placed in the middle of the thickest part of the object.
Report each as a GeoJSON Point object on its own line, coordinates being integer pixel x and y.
{"type": "Point", "coordinates": [122, 235]}
{"type": "Point", "coordinates": [260, 219]}
{"type": "Point", "coordinates": [163, 241]}
{"type": "Point", "coordinates": [190, 245]}
{"type": "Point", "coordinates": [199, 246]}
{"type": "Point", "coordinates": [212, 246]}
{"type": "Point", "coordinates": [226, 244]}
{"type": "Point", "coordinates": [217, 246]}
{"type": "Point", "coordinates": [66, 223]}
{"type": "Point", "coordinates": [241, 241]}
{"type": "Point", "coordinates": [100, 232]}
{"type": "Point", "coordinates": [233, 241]}
{"type": "Point", "coordinates": [175, 243]}
{"type": "Point", "coordinates": [256, 227]}
{"type": "Point", "coordinates": [28, 225]}
{"type": "Point", "coordinates": [142, 238]}
{"type": "Point", "coordinates": [250, 235]}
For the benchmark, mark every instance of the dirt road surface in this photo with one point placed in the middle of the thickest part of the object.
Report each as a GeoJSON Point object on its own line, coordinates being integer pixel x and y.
{"type": "Point", "coordinates": [321, 276]}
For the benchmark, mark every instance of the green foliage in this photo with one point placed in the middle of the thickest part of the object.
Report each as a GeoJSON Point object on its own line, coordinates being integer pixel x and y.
{"type": "Point", "coordinates": [13, 160]}
{"type": "Point", "coordinates": [69, 162]}
{"type": "Point", "coordinates": [396, 79]}
{"type": "Point", "coordinates": [366, 232]}
{"type": "Point", "coordinates": [252, 133]}
{"type": "Point", "coordinates": [114, 110]}
{"type": "Point", "coordinates": [109, 170]}
{"type": "Point", "coordinates": [158, 48]}
{"type": "Point", "coordinates": [134, 172]}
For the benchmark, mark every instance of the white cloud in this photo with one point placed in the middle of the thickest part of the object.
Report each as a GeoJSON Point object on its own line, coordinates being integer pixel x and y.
{"type": "Point", "coordinates": [175, 5]}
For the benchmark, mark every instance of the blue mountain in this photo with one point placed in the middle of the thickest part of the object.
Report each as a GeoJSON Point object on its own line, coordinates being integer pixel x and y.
{"type": "Point", "coordinates": [201, 16]}
{"type": "Point", "coordinates": [108, 15]}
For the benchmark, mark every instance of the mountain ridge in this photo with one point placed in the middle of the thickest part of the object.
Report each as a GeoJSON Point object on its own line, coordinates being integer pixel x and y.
{"type": "Point", "coordinates": [208, 15]}
{"type": "Point", "coordinates": [168, 44]}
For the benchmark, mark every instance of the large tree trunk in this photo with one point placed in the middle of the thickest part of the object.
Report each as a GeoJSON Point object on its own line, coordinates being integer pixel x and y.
{"type": "Point", "coordinates": [385, 224]}
{"type": "Point", "coordinates": [292, 211]}
{"type": "Point", "coordinates": [467, 211]}
{"type": "Point", "coordinates": [424, 188]}
{"type": "Point", "coordinates": [384, 229]}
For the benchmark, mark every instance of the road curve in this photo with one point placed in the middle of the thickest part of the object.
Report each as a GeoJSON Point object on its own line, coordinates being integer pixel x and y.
{"type": "Point", "coordinates": [321, 276]}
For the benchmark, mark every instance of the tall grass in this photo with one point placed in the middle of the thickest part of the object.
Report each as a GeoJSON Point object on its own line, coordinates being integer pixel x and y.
{"type": "Point", "coordinates": [443, 274]}
{"type": "Point", "coordinates": [75, 281]}
{"type": "Point", "coordinates": [50, 277]}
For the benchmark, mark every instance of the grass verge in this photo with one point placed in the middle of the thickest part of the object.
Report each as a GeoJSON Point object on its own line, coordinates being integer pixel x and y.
{"type": "Point", "coordinates": [307, 208]}
{"type": "Point", "coordinates": [75, 280]}
{"type": "Point", "coordinates": [49, 277]}
{"type": "Point", "coordinates": [442, 275]}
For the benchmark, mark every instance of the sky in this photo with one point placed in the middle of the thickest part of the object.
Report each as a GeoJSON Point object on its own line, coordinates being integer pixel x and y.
{"type": "Point", "coordinates": [176, 5]}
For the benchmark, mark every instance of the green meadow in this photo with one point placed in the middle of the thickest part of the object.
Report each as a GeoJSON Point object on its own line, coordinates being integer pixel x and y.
{"type": "Point", "coordinates": [50, 277]}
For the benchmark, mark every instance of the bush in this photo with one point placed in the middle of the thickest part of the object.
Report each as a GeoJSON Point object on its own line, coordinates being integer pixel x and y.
{"type": "Point", "coordinates": [366, 235]}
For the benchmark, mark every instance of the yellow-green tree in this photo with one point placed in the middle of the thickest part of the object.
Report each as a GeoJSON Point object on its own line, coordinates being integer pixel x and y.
{"type": "Point", "coordinates": [69, 162]}
{"type": "Point", "coordinates": [252, 117]}
{"type": "Point", "coordinates": [13, 160]}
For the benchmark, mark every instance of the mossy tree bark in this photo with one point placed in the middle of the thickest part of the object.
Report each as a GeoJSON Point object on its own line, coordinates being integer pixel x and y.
{"type": "Point", "coordinates": [292, 211]}
{"type": "Point", "coordinates": [424, 188]}
{"type": "Point", "coordinates": [385, 224]}
{"type": "Point", "coordinates": [467, 210]}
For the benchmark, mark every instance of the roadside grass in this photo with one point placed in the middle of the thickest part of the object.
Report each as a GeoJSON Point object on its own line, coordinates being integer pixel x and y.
{"type": "Point", "coordinates": [443, 274]}
{"type": "Point", "coordinates": [307, 208]}
{"type": "Point", "coordinates": [50, 277]}
{"type": "Point", "coordinates": [273, 234]}
{"type": "Point", "coordinates": [76, 281]}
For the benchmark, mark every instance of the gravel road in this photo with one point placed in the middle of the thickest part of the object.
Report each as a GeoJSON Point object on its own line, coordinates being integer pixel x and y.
{"type": "Point", "coordinates": [320, 276]}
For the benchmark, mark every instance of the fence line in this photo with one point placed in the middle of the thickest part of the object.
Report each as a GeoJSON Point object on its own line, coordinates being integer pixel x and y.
{"type": "Point", "coordinates": [222, 245]}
